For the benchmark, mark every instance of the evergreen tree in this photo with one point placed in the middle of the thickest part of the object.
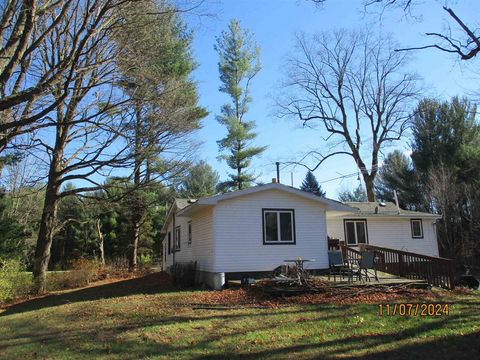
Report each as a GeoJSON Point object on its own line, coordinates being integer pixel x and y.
{"type": "Point", "coordinates": [310, 184]}
{"type": "Point", "coordinates": [357, 195]}
{"type": "Point", "coordinates": [397, 173]}
{"type": "Point", "coordinates": [156, 65]}
{"type": "Point", "coordinates": [239, 64]}
{"type": "Point", "coordinates": [200, 181]}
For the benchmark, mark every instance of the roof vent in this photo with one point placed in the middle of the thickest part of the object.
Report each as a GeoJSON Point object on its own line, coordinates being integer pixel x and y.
{"type": "Point", "coordinates": [382, 204]}
{"type": "Point", "coordinates": [274, 180]}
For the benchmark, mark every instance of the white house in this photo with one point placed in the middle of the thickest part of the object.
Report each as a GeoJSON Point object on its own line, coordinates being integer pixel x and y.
{"type": "Point", "coordinates": [256, 229]}
{"type": "Point", "coordinates": [251, 230]}
{"type": "Point", "coordinates": [385, 225]}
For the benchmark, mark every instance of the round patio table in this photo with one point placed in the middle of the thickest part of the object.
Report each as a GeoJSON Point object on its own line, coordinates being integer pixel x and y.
{"type": "Point", "coordinates": [301, 273]}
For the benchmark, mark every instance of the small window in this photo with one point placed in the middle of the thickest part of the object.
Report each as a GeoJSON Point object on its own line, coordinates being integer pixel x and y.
{"type": "Point", "coordinates": [417, 228]}
{"type": "Point", "coordinates": [356, 232]}
{"type": "Point", "coordinates": [177, 238]}
{"type": "Point", "coordinates": [278, 226]}
{"type": "Point", "coordinates": [189, 233]}
{"type": "Point", "coordinates": [169, 242]}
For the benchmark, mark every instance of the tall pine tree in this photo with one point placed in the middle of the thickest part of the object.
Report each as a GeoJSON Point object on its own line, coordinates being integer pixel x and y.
{"type": "Point", "coordinates": [238, 65]}
{"type": "Point", "coordinates": [310, 184]}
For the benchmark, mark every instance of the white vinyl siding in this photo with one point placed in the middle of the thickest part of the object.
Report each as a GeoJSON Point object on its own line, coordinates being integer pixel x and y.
{"type": "Point", "coordinates": [395, 233]}
{"type": "Point", "coordinates": [238, 233]}
{"type": "Point", "coordinates": [183, 253]}
{"type": "Point", "coordinates": [202, 239]}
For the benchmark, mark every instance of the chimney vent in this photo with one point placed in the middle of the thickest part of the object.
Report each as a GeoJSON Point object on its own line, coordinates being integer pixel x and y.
{"type": "Point", "coordinates": [274, 181]}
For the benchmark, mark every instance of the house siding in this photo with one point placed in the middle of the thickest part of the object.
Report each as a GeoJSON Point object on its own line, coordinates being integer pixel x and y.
{"type": "Point", "coordinates": [185, 253]}
{"type": "Point", "coordinates": [202, 239]}
{"type": "Point", "coordinates": [201, 249]}
{"type": "Point", "coordinates": [392, 233]}
{"type": "Point", "coordinates": [238, 233]}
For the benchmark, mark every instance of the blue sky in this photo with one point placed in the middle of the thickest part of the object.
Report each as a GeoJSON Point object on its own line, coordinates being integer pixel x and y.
{"type": "Point", "coordinates": [273, 23]}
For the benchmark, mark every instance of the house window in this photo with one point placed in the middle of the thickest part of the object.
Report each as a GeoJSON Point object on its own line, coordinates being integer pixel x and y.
{"type": "Point", "coordinates": [169, 242]}
{"type": "Point", "coordinates": [417, 228]}
{"type": "Point", "coordinates": [189, 233]}
{"type": "Point", "coordinates": [278, 226]}
{"type": "Point", "coordinates": [177, 238]}
{"type": "Point", "coordinates": [356, 232]}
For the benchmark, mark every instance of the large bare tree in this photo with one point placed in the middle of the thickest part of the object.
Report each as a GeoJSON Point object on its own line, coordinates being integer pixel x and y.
{"type": "Point", "coordinates": [353, 85]}
{"type": "Point", "coordinates": [461, 39]}
{"type": "Point", "coordinates": [84, 145]}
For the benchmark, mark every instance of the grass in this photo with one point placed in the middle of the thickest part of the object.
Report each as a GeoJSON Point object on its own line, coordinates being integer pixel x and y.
{"type": "Point", "coordinates": [135, 319]}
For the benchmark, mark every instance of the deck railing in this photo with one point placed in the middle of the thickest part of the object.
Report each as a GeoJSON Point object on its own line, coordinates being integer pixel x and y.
{"type": "Point", "coordinates": [435, 270]}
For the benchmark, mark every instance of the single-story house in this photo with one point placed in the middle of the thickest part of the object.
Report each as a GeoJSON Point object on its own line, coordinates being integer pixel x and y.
{"type": "Point", "coordinates": [252, 231]}
{"type": "Point", "coordinates": [384, 224]}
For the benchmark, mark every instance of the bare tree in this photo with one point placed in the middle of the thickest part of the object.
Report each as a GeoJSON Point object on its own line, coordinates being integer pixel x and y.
{"type": "Point", "coordinates": [26, 27]}
{"type": "Point", "coordinates": [87, 121]}
{"type": "Point", "coordinates": [466, 44]}
{"type": "Point", "coordinates": [353, 85]}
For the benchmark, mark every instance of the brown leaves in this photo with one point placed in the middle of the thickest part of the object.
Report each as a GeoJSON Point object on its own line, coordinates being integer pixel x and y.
{"type": "Point", "coordinates": [256, 297]}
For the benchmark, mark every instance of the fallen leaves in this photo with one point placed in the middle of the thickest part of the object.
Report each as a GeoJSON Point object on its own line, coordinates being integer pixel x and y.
{"type": "Point", "coordinates": [255, 296]}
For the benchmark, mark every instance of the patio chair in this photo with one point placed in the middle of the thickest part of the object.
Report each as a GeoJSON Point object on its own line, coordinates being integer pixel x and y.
{"type": "Point", "coordinates": [336, 265]}
{"type": "Point", "coordinates": [366, 266]}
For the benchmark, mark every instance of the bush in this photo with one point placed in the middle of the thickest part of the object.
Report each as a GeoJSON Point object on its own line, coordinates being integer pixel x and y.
{"type": "Point", "coordinates": [14, 281]}
{"type": "Point", "coordinates": [145, 261]}
{"type": "Point", "coordinates": [82, 272]}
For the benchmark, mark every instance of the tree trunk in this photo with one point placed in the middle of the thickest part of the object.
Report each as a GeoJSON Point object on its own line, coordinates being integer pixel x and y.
{"type": "Point", "coordinates": [137, 205]}
{"type": "Point", "coordinates": [47, 227]}
{"type": "Point", "coordinates": [100, 243]}
{"type": "Point", "coordinates": [132, 264]}
{"type": "Point", "coordinates": [370, 188]}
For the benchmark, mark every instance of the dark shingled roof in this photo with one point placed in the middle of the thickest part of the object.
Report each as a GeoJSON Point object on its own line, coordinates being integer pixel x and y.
{"type": "Point", "coordinates": [390, 209]}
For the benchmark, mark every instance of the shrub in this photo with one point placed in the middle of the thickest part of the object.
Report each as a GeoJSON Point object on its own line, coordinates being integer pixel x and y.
{"type": "Point", "coordinates": [145, 261]}
{"type": "Point", "coordinates": [82, 272]}
{"type": "Point", "coordinates": [14, 281]}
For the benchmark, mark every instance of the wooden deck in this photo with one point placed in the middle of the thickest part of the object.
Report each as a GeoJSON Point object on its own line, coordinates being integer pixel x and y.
{"type": "Point", "coordinates": [384, 279]}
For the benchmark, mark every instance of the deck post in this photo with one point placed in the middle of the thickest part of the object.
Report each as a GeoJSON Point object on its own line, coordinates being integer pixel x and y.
{"type": "Point", "coordinates": [400, 265]}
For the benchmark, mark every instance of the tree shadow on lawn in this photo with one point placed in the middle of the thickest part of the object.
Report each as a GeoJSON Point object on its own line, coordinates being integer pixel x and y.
{"type": "Point", "coordinates": [148, 284]}
{"type": "Point", "coordinates": [457, 346]}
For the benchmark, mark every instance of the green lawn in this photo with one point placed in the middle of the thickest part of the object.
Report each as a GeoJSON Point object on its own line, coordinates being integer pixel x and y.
{"type": "Point", "coordinates": [133, 320]}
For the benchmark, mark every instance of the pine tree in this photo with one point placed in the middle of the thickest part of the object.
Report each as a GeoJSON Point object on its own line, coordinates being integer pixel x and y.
{"type": "Point", "coordinates": [310, 184]}
{"type": "Point", "coordinates": [238, 65]}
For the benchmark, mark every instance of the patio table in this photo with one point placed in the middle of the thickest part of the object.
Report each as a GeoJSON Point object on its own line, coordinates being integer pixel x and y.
{"type": "Point", "coordinates": [301, 273]}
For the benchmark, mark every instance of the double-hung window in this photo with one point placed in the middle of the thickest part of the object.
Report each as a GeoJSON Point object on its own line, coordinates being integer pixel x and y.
{"type": "Point", "coordinates": [417, 228]}
{"type": "Point", "coordinates": [189, 233]}
{"type": "Point", "coordinates": [356, 232]}
{"type": "Point", "coordinates": [169, 242]}
{"type": "Point", "coordinates": [177, 238]}
{"type": "Point", "coordinates": [278, 226]}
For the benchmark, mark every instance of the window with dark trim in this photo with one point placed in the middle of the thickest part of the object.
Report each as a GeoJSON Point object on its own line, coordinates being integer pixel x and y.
{"type": "Point", "coordinates": [278, 226]}
{"type": "Point", "coordinates": [356, 231]}
{"type": "Point", "coordinates": [189, 233]}
{"type": "Point", "coordinates": [417, 228]}
{"type": "Point", "coordinates": [169, 236]}
{"type": "Point", "coordinates": [177, 238]}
